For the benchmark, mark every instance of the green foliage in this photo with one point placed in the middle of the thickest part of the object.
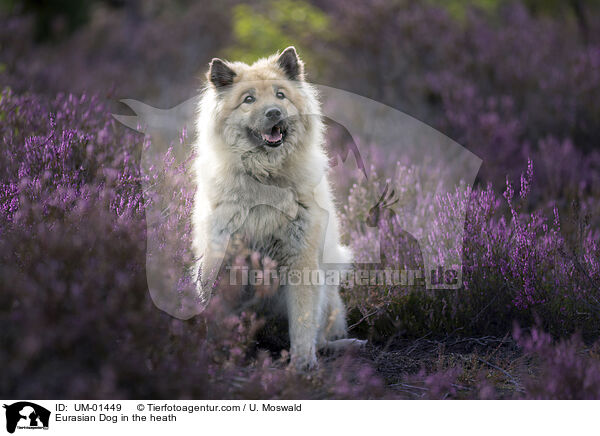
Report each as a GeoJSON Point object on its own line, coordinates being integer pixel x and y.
{"type": "Point", "coordinates": [273, 25]}
{"type": "Point", "coordinates": [7, 5]}
{"type": "Point", "coordinates": [458, 8]}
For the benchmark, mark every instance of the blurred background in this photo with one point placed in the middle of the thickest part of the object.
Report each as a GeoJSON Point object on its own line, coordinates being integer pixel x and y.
{"type": "Point", "coordinates": [516, 82]}
{"type": "Point", "coordinates": [499, 77]}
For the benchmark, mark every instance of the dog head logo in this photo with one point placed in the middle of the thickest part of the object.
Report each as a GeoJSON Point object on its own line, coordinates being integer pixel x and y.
{"type": "Point", "coordinates": [373, 132]}
{"type": "Point", "coordinates": [26, 415]}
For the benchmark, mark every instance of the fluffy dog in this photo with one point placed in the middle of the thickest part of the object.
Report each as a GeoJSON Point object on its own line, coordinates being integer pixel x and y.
{"type": "Point", "coordinates": [261, 173]}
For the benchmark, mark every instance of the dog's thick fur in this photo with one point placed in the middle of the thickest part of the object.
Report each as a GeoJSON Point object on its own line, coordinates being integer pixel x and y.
{"type": "Point", "coordinates": [277, 197]}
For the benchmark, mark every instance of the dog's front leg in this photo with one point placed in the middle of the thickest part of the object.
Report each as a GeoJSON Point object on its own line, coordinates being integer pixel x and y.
{"type": "Point", "coordinates": [303, 306]}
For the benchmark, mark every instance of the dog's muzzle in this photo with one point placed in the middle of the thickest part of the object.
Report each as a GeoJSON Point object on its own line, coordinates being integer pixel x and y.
{"type": "Point", "coordinates": [271, 136]}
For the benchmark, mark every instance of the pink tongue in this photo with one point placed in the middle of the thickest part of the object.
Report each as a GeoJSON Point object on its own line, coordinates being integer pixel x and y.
{"type": "Point", "coordinates": [274, 136]}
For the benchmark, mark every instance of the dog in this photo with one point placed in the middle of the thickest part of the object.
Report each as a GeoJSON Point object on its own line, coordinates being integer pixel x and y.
{"type": "Point", "coordinates": [261, 173]}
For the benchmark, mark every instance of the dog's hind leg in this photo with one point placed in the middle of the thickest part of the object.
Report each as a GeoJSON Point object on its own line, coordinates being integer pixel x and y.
{"type": "Point", "coordinates": [344, 344]}
{"type": "Point", "coordinates": [333, 322]}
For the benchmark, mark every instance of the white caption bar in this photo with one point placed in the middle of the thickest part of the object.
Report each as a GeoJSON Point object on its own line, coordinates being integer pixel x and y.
{"type": "Point", "coordinates": [23, 417]}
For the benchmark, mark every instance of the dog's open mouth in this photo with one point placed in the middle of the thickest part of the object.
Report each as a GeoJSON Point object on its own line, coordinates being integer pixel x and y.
{"type": "Point", "coordinates": [272, 137]}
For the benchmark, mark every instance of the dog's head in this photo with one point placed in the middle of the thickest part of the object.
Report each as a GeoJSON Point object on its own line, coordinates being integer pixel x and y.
{"type": "Point", "coordinates": [265, 108]}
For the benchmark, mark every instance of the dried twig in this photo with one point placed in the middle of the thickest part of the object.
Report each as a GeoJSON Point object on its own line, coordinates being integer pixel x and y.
{"type": "Point", "coordinates": [506, 373]}
{"type": "Point", "coordinates": [368, 315]}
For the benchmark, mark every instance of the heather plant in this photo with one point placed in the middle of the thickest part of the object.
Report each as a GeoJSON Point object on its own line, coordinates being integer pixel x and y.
{"type": "Point", "coordinates": [80, 208]}
{"type": "Point", "coordinates": [568, 371]}
{"type": "Point", "coordinates": [121, 52]}
{"type": "Point", "coordinates": [515, 265]}
{"type": "Point", "coordinates": [74, 258]}
{"type": "Point", "coordinates": [449, 74]}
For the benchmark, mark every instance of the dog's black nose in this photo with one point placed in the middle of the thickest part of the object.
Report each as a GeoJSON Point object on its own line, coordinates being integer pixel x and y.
{"type": "Point", "coordinates": [273, 113]}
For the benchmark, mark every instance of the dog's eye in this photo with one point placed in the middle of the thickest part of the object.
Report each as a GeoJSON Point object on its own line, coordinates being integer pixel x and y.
{"type": "Point", "coordinates": [249, 99]}
{"type": "Point", "coordinates": [280, 95]}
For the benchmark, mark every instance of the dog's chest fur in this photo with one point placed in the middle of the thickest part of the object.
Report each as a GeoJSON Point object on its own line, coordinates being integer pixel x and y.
{"type": "Point", "coordinates": [277, 228]}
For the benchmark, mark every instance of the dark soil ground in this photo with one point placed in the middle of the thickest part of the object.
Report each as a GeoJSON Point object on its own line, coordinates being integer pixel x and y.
{"type": "Point", "coordinates": [494, 359]}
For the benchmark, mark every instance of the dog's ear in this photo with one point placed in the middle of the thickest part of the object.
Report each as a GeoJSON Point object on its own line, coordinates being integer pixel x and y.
{"type": "Point", "coordinates": [291, 64]}
{"type": "Point", "coordinates": [219, 73]}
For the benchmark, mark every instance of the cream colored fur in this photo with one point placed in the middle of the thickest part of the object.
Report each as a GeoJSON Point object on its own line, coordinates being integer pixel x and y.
{"type": "Point", "coordinates": [270, 194]}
